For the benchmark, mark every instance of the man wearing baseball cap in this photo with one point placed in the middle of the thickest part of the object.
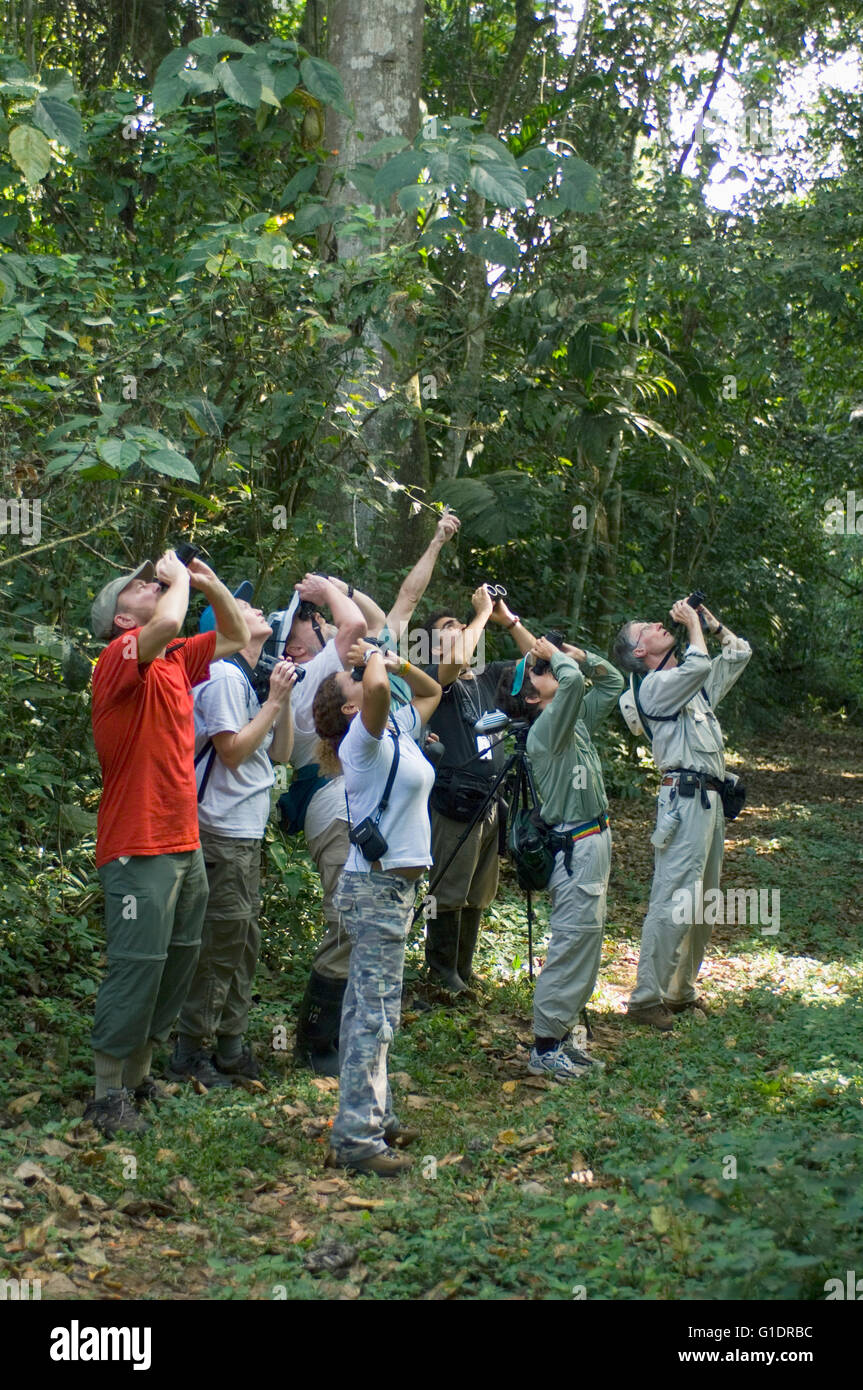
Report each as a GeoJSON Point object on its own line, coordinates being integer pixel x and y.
{"type": "Point", "coordinates": [147, 848]}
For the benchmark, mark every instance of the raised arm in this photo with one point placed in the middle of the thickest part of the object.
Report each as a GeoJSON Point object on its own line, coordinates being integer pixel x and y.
{"type": "Point", "coordinates": [464, 644]}
{"type": "Point", "coordinates": [371, 611]}
{"type": "Point", "coordinates": [170, 613]}
{"type": "Point", "coordinates": [346, 615]}
{"type": "Point", "coordinates": [235, 748]}
{"type": "Point", "coordinates": [511, 623]}
{"type": "Point", "coordinates": [376, 687]}
{"type": "Point", "coordinates": [232, 630]}
{"type": "Point", "coordinates": [606, 685]}
{"type": "Point", "coordinates": [416, 583]}
{"type": "Point", "coordinates": [728, 667]}
{"type": "Point", "coordinates": [425, 689]}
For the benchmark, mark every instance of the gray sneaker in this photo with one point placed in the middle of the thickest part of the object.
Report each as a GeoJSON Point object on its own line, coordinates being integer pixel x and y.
{"type": "Point", "coordinates": [115, 1114]}
{"type": "Point", "coordinates": [581, 1059]}
{"type": "Point", "coordinates": [559, 1064]}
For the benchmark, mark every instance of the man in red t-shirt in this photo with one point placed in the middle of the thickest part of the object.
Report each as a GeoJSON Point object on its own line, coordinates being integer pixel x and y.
{"type": "Point", "coordinates": [147, 848]}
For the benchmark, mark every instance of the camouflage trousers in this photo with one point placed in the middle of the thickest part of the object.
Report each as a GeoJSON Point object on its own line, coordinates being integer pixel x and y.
{"type": "Point", "coordinates": [375, 910]}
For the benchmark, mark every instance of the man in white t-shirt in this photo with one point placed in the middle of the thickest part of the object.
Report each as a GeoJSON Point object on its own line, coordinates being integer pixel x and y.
{"type": "Point", "coordinates": [237, 739]}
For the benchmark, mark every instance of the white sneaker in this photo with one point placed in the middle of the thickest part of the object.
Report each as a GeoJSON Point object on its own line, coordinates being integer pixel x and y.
{"type": "Point", "coordinates": [560, 1063]}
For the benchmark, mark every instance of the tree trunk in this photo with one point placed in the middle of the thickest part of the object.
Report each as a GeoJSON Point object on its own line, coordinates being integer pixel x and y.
{"type": "Point", "coordinates": [378, 52]}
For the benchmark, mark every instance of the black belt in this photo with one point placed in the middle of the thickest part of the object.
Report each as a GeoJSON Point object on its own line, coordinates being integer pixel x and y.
{"type": "Point", "coordinates": [703, 780]}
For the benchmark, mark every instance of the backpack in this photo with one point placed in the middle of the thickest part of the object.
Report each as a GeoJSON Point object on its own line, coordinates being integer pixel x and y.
{"type": "Point", "coordinates": [532, 845]}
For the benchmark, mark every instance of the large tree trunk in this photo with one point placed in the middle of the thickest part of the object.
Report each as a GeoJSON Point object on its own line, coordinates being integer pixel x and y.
{"type": "Point", "coordinates": [377, 49]}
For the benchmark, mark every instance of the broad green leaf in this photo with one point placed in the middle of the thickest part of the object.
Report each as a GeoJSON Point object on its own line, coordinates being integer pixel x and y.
{"type": "Point", "coordinates": [494, 247]}
{"type": "Point", "coordinates": [169, 462]}
{"type": "Point", "coordinates": [168, 94]}
{"type": "Point", "coordinates": [579, 190]}
{"type": "Point", "coordinates": [390, 144]}
{"type": "Point", "coordinates": [60, 122]}
{"type": "Point", "coordinates": [197, 80]}
{"type": "Point", "coordinates": [214, 44]}
{"type": "Point", "coordinates": [502, 186]}
{"type": "Point", "coordinates": [323, 81]}
{"type": "Point", "coordinates": [30, 151]}
{"type": "Point", "coordinates": [240, 82]}
{"type": "Point", "coordinates": [418, 197]}
{"type": "Point", "coordinates": [118, 453]}
{"type": "Point", "coordinates": [448, 169]}
{"type": "Point", "coordinates": [308, 218]}
{"type": "Point", "coordinates": [301, 183]}
{"type": "Point", "coordinates": [285, 79]}
{"type": "Point", "coordinates": [399, 172]}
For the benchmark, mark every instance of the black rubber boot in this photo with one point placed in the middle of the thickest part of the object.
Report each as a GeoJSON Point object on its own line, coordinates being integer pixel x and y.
{"type": "Point", "coordinates": [467, 938]}
{"type": "Point", "coordinates": [441, 951]}
{"type": "Point", "coordinates": [318, 1025]}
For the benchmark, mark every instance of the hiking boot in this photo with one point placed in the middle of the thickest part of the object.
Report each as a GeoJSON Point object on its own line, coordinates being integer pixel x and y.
{"type": "Point", "coordinates": [468, 935]}
{"type": "Point", "coordinates": [442, 936]}
{"type": "Point", "coordinates": [115, 1114]}
{"type": "Point", "coordinates": [560, 1063]}
{"type": "Point", "coordinates": [318, 1024]}
{"type": "Point", "coordinates": [244, 1067]}
{"type": "Point", "coordinates": [654, 1015]}
{"type": "Point", "coordinates": [148, 1090]}
{"type": "Point", "coordinates": [386, 1164]}
{"type": "Point", "coordinates": [680, 1006]}
{"type": "Point", "coordinates": [198, 1067]}
{"type": "Point", "coordinates": [399, 1135]}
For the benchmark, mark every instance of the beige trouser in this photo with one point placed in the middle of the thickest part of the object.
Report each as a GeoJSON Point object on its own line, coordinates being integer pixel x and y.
{"type": "Point", "coordinates": [330, 850]}
{"type": "Point", "coordinates": [672, 950]}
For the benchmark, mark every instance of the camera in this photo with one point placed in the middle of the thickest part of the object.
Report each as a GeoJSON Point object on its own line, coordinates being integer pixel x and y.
{"type": "Point", "coordinates": [358, 671]}
{"type": "Point", "coordinates": [695, 600]}
{"type": "Point", "coordinates": [432, 749]}
{"type": "Point", "coordinates": [556, 639]}
{"type": "Point", "coordinates": [368, 840]}
{"type": "Point", "coordinates": [273, 650]}
{"type": "Point", "coordinates": [185, 552]}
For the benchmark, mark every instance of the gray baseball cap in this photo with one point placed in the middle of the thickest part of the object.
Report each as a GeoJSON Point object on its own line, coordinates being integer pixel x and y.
{"type": "Point", "coordinates": [105, 602]}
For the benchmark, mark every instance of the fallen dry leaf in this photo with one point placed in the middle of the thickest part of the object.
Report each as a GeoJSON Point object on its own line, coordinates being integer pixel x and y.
{"type": "Point", "coordinates": [55, 1148]}
{"type": "Point", "coordinates": [328, 1185]}
{"type": "Point", "coordinates": [366, 1203]}
{"type": "Point", "coordinates": [58, 1285]}
{"type": "Point", "coordinates": [509, 1088]}
{"type": "Point", "coordinates": [507, 1136]}
{"type": "Point", "coordinates": [22, 1103]}
{"type": "Point", "coordinates": [325, 1083]}
{"type": "Point", "coordinates": [418, 1102]}
{"type": "Point", "coordinates": [92, 1255]}
{"type": "Point", "coordinates": [29, 1172]}
{"type": "Point", "coordinates": [170, 1254]}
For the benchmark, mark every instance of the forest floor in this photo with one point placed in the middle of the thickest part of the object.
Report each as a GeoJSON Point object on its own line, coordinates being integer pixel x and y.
{"type": "Point", "coordinates": [714, 1162]}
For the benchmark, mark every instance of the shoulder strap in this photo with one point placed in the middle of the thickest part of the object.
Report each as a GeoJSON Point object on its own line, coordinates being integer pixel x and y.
{"type": "Point", "coordinates": [657, 718]}
{"type": "Point", "coordinates": [384, 801]}
{"type": "Point", "coordinates": [208, 769]}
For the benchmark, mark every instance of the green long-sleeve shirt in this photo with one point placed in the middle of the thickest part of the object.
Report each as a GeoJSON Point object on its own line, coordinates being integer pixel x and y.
{"type": "Point", "coordinates": [565, 763]}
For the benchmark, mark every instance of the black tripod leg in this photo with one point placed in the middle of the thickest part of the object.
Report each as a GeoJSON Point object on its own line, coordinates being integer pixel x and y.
{"type": "Point", "coordinates": [587, 1030]}
{"type": "Point", "coordinates": [529, 936]}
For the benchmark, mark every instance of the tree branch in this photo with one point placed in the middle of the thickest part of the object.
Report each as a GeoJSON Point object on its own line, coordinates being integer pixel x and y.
{"type": "Point", "coordinates": [723, 51]}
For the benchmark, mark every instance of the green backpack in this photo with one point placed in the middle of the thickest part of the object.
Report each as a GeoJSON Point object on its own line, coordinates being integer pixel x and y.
{"type": "Point", "coordinates": [532, 846]}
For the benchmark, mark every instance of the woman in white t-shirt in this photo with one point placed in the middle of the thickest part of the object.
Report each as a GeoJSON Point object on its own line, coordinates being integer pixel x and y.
{"type": "Point", "coordinates": [375, 899]}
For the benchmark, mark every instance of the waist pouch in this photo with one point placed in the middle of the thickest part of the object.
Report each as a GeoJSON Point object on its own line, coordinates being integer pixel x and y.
{"type": "Point", "coordinates": [459, 795]}
{"type": "Point", "coordinates": [294, 803]}
{"type": "Point", "coordinates": [732, 792]}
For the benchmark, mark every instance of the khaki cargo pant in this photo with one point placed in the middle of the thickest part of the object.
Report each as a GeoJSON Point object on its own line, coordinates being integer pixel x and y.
{"type": "Point", "coordinates": [220, 994]}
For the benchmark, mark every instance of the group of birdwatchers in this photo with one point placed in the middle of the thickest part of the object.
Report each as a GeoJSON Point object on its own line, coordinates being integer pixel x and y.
{"type": "Point", "coordinates": [187, 734]}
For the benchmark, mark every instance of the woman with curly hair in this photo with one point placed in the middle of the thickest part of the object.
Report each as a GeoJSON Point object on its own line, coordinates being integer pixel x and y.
{"type": "Point", "coordinates": [375, 896]}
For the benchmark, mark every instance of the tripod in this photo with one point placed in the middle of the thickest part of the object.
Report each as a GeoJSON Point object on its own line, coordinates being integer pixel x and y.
{"type": "Point", "coordinates": [521, 791]}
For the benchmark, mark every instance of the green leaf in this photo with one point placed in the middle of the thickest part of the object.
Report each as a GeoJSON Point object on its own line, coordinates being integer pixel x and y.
{"type": "Point", "coordinates": [308, 218]}
{"type": "Point", "coordinates": [168, 89]}
{"type": "Point", "coordinates": [214, 44]}
{"type": "Point", "coordinates": [494, 247]}
{"type": "Point", "coordinates": [197, 80]}
{"type": "Point", "coordinates": [323, 81]}
{"type": "Point", "coordinates": [60, 122]}
{"type": "Point", "coordinates": [240, 82]}
{"type": "Point", "coordinates": [118, 453]}
{"type": "Point", "coordinates": [418, 197]}
{"type": "Point", "coordinates": [30, 151]}
{"type": "Point", "coordinates": [579, 190]}
{"type": "Point", "coordinates": [300, 183]}
{"type": "Point", "coordinates": [285, 80]}
{"type": "Point", "coordinates": [168, 461]}
{"type": "Point", "coordinates": [501, 185]}
{"type": "Point", "coordinates": [397, 173]}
